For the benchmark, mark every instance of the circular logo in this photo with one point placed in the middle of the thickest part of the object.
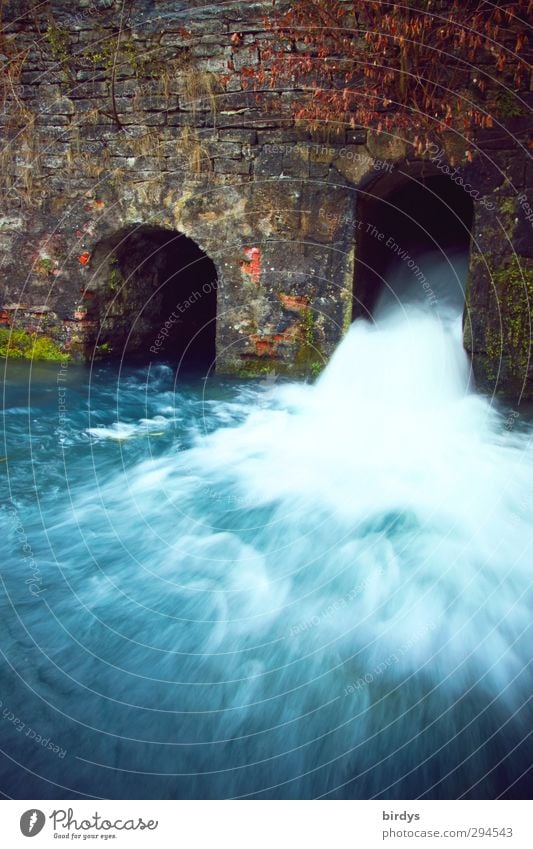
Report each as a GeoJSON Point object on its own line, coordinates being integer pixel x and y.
{"type": "Point", "coordinates": [32, 822]}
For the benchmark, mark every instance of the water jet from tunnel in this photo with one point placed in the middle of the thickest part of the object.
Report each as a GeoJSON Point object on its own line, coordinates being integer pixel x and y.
{"type": "Point", "coordinates": [413, 242]}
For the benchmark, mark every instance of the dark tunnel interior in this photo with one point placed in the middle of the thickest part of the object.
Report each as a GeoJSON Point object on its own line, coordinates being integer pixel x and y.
{"type": "Point", "coordinates": [157, 298]}
{"type": "Point", "coordinates": [413, 241]}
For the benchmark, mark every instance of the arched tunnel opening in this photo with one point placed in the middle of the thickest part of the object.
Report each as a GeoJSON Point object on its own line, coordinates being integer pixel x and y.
{"type": "Point", "coordinates": [154, 298]}
{"type": "Point", "coordinates": [412, 244]}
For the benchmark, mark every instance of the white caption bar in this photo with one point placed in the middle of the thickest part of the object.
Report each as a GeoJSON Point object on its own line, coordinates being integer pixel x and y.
{"type": "Point", "coordinates": [266, 824]}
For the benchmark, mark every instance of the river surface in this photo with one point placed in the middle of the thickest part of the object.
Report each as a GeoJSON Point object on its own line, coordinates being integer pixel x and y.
{"type": "Point", "coordinates": [215, 588]}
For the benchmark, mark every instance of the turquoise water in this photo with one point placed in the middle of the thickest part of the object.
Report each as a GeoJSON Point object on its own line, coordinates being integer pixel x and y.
{"type": "Point", "coordinates": [216, 588]}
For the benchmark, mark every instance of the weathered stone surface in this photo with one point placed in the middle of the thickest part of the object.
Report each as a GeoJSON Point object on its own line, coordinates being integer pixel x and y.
{"type": "Point", "coordinates": [174, 139]}
{"type": "Point", "coordinates": [353, 162]}
{"type": "Point", "coordinates": [385, 146]}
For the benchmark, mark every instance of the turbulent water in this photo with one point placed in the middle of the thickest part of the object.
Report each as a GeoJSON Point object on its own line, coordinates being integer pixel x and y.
{"type": "Point", "coordinates": [233, 589]}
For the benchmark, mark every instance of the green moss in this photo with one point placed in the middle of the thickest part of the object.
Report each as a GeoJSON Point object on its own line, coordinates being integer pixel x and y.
{"type": "Point", "coordinates": [253, 368]}
{"type": "Point", "coordinates": [347, 308]}
{"type": "Point", "coordinates": [140, 63]}
{"type": "Point", "coordinates": [45, 348]}
{"type": "Point", "coordinates": [13, 343]}
{"type": "Point", "coordinates": [20, 345]}
{"type": "Point", "coordinates": [308, 359]}
{"type": "Point", "coordinates": [45, 266]}
{"type": "Point", "coordinates": [513, 283]}
{"type": "Point", "coordinates": [494, 351]}
{"type": "Point", "coordinates": [58, 39]}
{"type": "Point", "coordinates": [115, 279]}
{"type": "Point", "coordinates": [102, 55]}
{"type": "Point", "coordinates": [508, 106]}
{"type": "Point", "coordinates": [109, 52]}
{"type": "Point", "coordinates": [507, 213]}
{"type": "Point", "coordinates": [508, 205]}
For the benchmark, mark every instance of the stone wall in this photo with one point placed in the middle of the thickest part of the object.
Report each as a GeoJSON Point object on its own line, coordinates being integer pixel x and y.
{"type": "Point", "coordinates": [118, 114]}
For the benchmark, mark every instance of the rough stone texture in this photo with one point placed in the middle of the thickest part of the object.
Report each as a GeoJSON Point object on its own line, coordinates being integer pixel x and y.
{"type": "Point", "coordinates": [498, 316]}
{"type": "Point", "coordinates": [175, 142]}
{"type": "Point", "coordinates": [499, 304]}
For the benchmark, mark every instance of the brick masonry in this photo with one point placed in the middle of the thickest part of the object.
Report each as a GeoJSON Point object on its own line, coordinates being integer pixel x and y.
{"type": "Point", "coordinates": [159, 131]}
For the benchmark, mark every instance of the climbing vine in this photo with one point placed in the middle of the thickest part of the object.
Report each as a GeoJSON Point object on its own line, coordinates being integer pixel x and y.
{"type": "Point", "coordinates": [416, 68]}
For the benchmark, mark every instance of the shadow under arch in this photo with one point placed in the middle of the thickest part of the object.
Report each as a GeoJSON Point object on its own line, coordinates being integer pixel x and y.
{"type": "Point", "coordinates": [154, 297]}
{"type": "Point", "coordinates": [413, 232]}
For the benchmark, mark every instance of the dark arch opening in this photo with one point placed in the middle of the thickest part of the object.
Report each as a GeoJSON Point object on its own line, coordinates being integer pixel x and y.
{"type": "Point", "coordinates": [154, 297]}
{"type": "Point", "coordinates": [412, 244]}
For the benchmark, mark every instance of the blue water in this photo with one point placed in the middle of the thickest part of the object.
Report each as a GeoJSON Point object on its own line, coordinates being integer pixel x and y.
{"type": "Point", "coordinates": [215, 588]}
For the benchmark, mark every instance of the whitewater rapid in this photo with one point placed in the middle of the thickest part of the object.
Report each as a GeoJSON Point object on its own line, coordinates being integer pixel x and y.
{"type": "Point", "coordinates": [311, 590]}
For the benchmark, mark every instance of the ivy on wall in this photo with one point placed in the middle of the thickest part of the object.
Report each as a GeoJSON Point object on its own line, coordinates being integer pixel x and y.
{"type": "Point", "coordinates": [417, 69]}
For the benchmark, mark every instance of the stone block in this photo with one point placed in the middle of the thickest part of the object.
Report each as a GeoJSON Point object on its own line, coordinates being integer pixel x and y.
{"type": "Point", "coordinates": [149, 119]}
{"type": "Point", "coordinates": [289, 162]}
{"type": "Point", "coordinates": [234, 83]}
{"type": "Point", "coordinates": [223, 149]}
{"type": "Point", "coordinates": [47, 119]}
{"type": "Point", "coordinates": [245, 137]}
{"type": "Point", "coordinates": [60, 106]}
{"type": "Point", "coordinates": [385, 146]}
{"type": "Point", "coordinates": [52, 162]}
{"type": "Point", "coordinates": [245, 57]}
{"type": "Point", "coordinates": [158, 103]}
{"type": "Point", "coordinates": [281, 136]}
{"type": "Point", "coordinates": [83, 106]}
{"type": "Point", "coordinates": [353, 162]}
{"type": "Point", "coordinates": [233, 166]}
{"type": "Point", "coordinates": [268, 165]}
